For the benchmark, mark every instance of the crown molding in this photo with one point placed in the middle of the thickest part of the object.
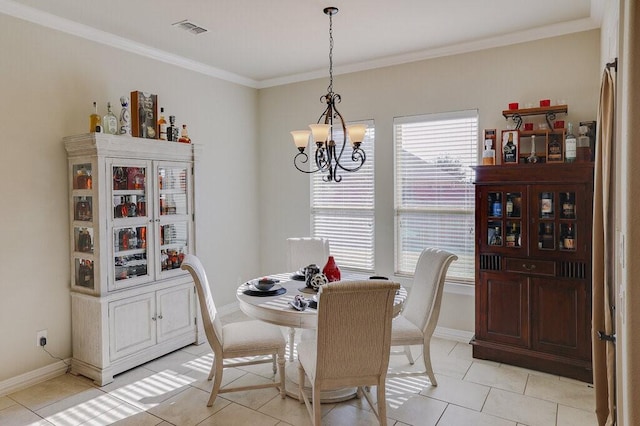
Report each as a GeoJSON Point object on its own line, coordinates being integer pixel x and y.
{"type": "Point", "coordinates": [48, 20]}
{"type": "Point", "coordinates": [36, 16]}
{"type": "Point", "coordinates": [534, 34]}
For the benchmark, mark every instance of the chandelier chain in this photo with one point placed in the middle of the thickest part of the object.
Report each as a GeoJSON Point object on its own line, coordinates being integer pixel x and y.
{"type": "Point", "coordinates": [330, 88]}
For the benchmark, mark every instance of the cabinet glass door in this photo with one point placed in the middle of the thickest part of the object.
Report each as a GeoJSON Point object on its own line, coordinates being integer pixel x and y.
{"type": "Point", "coordinates": [503, 229]}
{"type": "Point", "coordinates": [175, 217]}
{"type": "Point", "coordinates": [83, 225]}
{"type": "Point", "coordinates": [130, 219]}
{"type": "Point", "coordinates": [556, 219]}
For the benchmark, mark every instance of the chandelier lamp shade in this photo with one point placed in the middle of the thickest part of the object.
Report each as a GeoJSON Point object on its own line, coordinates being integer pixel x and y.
{"type": "Point", "coordinates": [328, 153]}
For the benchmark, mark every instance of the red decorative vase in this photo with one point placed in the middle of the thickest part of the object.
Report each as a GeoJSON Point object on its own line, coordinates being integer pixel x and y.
{"type": "Point", "coordinates": [331, 270]}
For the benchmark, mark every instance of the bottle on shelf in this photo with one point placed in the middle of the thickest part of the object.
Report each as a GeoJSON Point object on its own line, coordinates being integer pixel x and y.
{"type": "Point", "coordinates": [509, 150]}
{"type": "Point", "coordinates": [512, 236]}
{"type": "Point", "coordinates": [533, 158]}
{"type": "Point", "coordinates": [83, 178]}
{"type": "Point", "coordinates": [83, 209]}
{"type": "Point", "coordinates": [554, 149]}
{"type": "Point", "coordinates": [546, 239]}
{"type": "Point", "coordinates": [509, 205]}
{"type": "Point", "coordinates": [489, 154]}
{"type": "Point", "coordinates": [495, 239]}
{"type": "Point", "coordinates": [496, 206]}
{"type": "Point", "coordinates": [583, 146]}
{"type": "Point", "coordinates": [110, 121]}
{"type": "Point", "coordinates": [95, 121]}
{"type": "Point", "coordinates": [570, 145]}
{"type": "Point", "coordinates": [184, 135]}
{"type": "Point", "coordinates": [162, 126]}
{"type": "Point", "coordinates": [569, 239]}
{"type": "Point", "coordinates": [84, 241]}
{"type": "Point", "coordinates": [546, 205]}
{"type": "Point", "coordinates": [568, 206]}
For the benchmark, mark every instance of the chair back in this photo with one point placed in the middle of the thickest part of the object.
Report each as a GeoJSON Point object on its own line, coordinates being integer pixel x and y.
{"type": "Point", "coordinates": [210, 318]}
{"type": "Point", "coordinates": [422, 306]}
{"type": "Point", "coordinates": [354, 329]}
{"type": "Point", "coordinates": [302, 252]}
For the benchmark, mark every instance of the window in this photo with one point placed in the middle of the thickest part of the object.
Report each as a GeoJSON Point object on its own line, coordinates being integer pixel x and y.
{"type": "Point", "coordinates": [343, 212]}
{"type": "Point", "coordinates": [434, 192]}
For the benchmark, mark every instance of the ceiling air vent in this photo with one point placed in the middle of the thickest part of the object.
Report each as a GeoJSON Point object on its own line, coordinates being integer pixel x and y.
{"type": "Point", "coordinates": [186, 25]}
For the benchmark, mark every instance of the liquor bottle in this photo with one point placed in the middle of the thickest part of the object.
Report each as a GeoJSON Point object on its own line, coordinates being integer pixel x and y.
{"type": "Point", "coordinates": [125, 116]}
{"type": "Point", "coordinates": [110, 121]}
{"type": "Point", "coordinates": [131, 206]}
{"type": "Point", "coordinates": [496, 238]}
{"type": "Point", "coordinates": [569, 240]}
{"type": "Point", "coordinates": [533, 158]}
{"type": "Point", "coordinates": [509, 150]}
{"type": "Point", "coordinates": [583, 146]}
{"type": "Point", "coordinates": [511, 237]}
{"type": "Point", "coordinates": [83, 210]}
{"type": "Point", "coordinates": [489, 154]}
{"type": "Point", "coordinates": [554, 149]}
{"type": "Point", "coordinates": [509, 205]}
{"type": "Point", "coordinates": [546, 204]}
{"type": "Point", "coordinates": [184, 135]}
{"type": "Point", "coordinates": [83, 178]}
{"type": "Point", "coordinates": [84, 241]}
{"type": "Point", "coordinates": [162, 126]}
{"type": "Point", "coordinates": [570, 145]}
{"type": "Point", "coordinates": [568, 206]}
{"type": "Point", "coordinates": [496, 207]}
{"type": "Point", "coordinates": [94, 120]}
{"type": "Point", "coordinates": [172, 130]}
{"type": "Point", "coordinates": [547, 236]}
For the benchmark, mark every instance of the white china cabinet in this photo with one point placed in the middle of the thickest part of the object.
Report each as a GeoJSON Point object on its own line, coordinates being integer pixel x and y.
{"type": "Point", "coordinates": [131, 223]}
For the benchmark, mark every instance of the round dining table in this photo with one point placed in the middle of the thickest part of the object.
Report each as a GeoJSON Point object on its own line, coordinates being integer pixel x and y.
{"type": "Point", "coordinates": [277, 309]}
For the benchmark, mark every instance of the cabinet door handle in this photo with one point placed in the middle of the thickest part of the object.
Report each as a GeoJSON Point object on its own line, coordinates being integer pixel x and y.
{"type": "Point", "coordinates": [160, 316]}
{"type": "Point", "coordinates": [528, 267]}
{"type": "Point", "coordinates": [153, 318]}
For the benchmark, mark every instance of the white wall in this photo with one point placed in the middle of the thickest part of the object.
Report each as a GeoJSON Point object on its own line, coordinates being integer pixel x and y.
{"type": "Point", "coordinates": [48, 81]}
{"type": "Point", "coordinates": [559, 68]}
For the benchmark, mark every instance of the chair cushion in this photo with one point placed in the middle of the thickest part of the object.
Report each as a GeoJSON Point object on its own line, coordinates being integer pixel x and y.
{"type": "Point", "coordinates": [404, 332]}
{"type": "Point", "coordinates": [252, 336]}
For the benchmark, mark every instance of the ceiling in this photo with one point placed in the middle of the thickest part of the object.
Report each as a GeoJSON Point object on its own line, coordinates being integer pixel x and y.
{"type": "Point", "coordinates": [262, 43]}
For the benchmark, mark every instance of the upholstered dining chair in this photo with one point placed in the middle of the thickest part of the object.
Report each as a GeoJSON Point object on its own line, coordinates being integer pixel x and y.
{"type": "Point", "coordinates": [302, 252]}
{"type": "Point", "coordinates": [417, 321]}
{"type": "Point", "coordinates": [351, 345]}
{"type": "Point", "coordinates": [234, 340]}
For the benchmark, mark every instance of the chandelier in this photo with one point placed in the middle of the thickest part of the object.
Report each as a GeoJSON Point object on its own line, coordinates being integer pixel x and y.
{"type": "Point", "coordinates": [328, 155]}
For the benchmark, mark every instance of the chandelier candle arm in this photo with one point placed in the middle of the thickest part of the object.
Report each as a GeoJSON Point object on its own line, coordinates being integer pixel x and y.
{"type": "Point", "coordinates": [328, 153]}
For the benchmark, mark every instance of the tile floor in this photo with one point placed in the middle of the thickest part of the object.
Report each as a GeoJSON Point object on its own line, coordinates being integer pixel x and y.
{"type": "Point", "coordinates": [173, 390]}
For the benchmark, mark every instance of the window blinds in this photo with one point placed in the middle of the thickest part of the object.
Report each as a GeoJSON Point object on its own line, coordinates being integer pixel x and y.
{"type": "Point", "coordinates": [343, 211]}
{"type": "Point", "coordinates": [434, 192]}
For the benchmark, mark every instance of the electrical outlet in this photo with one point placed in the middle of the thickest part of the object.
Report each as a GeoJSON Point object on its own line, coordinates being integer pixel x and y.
{"type": "Point", "coordinates": [40, 334]}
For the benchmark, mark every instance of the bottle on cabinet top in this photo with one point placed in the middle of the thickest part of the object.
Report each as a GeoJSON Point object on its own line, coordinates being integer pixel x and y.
{"type": "Point", "coordinates": [110, 121]}
{"type": "Point", "coordinates": [94, 120]}
{"type": "Point", "coordinates": [172, 130]}
{"type": "Point", "coordinates": [162, 125]}
{"type": "Point", "coordinates": [570, 145]}
{"type": "Point", "coordinates": [184, 135]}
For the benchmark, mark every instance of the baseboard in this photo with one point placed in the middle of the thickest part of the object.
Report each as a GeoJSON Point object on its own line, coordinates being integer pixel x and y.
{"type": "Point", "coordinates": [31, 378]}
{"type": "Point", "coordinates": [456, 335]}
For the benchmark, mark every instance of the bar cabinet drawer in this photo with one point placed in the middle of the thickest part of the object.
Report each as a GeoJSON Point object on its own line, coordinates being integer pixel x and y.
{"type": "Point", "coordinates": [531, 266]}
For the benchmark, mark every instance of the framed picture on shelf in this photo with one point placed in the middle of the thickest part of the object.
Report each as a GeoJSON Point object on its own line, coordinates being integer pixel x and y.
{"type": "Point", "coordinates": [510, 146]}
{"type": "Point", "coordinates": [555, 147]}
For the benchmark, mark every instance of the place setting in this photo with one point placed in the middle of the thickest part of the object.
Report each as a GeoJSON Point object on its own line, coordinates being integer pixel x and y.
{"type": "Point", "coordinates": [264, 287]}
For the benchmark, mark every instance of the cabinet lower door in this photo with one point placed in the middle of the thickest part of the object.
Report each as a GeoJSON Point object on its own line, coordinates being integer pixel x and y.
{"type": "Point", "coordinates": [503, 314]}
{"type": "Point", "coordinates": [561, 317]}
{"type": "Point", "coordinates": [176, 312]}
{"type": "Point", "coordinates": [132, 325]}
